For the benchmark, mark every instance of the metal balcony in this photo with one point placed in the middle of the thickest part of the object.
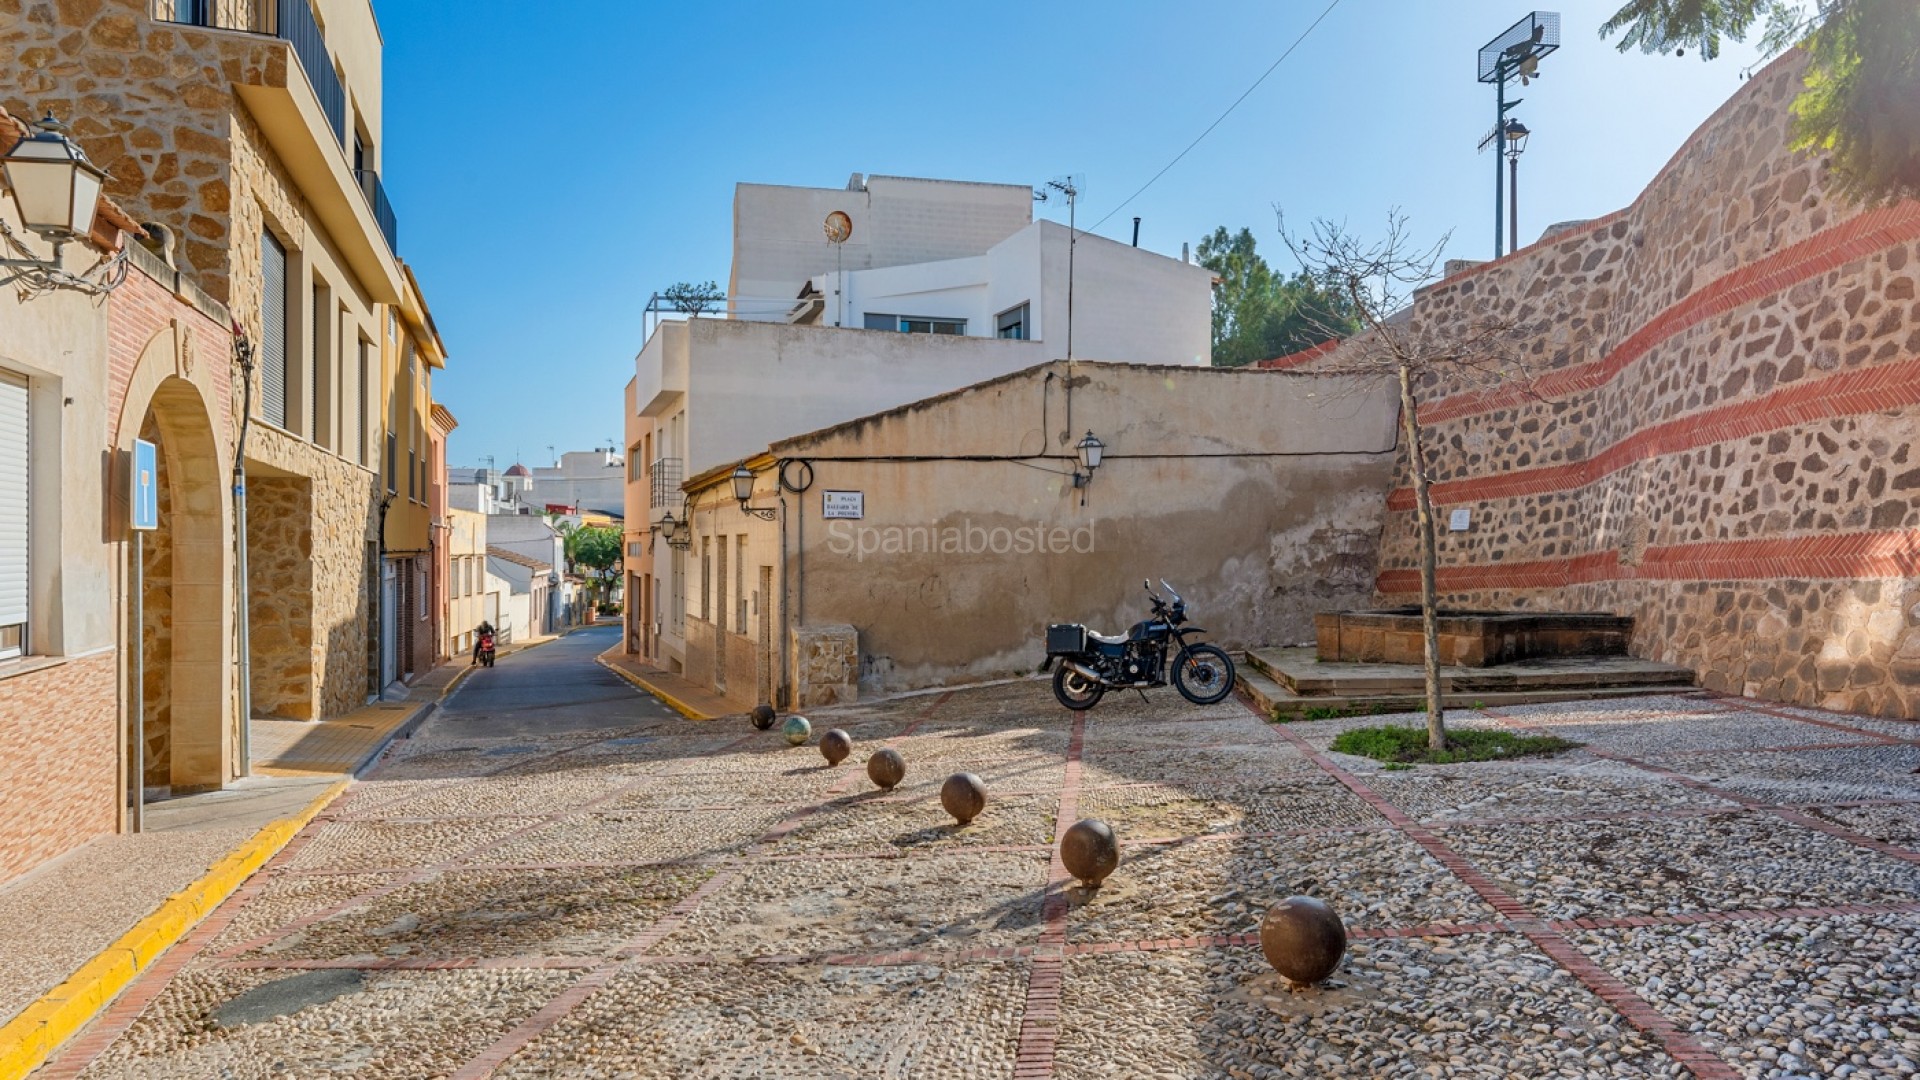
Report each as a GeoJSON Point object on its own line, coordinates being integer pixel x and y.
{"type": "Point", "coordinates": [382, 209]}
{"type": "Point", "coordinates": [289, 20]}
{"type": "Point", "coordinates": [666, 475]}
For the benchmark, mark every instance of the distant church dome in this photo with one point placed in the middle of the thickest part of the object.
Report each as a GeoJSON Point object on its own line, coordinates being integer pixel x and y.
{"type": "Point", "coordinates": [517, 469]}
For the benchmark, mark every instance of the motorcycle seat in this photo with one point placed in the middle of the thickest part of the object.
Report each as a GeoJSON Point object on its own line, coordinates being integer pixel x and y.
{"type": "Point", "coordinates": [1108, 639]}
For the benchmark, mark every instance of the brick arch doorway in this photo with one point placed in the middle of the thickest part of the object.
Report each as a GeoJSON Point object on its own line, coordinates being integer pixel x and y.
{"type": "Point", "coordinates": [186, 627]}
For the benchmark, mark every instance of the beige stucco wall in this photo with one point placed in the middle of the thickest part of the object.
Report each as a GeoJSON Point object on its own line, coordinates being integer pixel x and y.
{"type": "Point", "coordinates": [1257, 494]}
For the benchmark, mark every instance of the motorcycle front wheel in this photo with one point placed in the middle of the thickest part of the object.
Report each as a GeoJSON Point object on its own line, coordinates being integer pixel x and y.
{"type": "Point", "coordinates": [1203, 674]}
{"type": "Point", "coordinates": [1076, 691]}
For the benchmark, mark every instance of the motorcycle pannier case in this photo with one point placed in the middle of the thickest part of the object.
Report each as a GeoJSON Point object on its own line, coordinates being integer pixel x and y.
{"type": "Point", "coordinates": [1066, 638]}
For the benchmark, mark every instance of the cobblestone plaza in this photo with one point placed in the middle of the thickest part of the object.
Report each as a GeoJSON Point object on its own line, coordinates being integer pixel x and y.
{"type": "Point", "coordinates": [1707, 888]}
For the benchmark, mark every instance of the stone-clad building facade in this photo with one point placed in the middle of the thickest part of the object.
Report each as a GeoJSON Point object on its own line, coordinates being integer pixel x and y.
{"type": "Point", "coordinates": [1717, 433]}
{"type": "Point", "coordinates": [252, 132]}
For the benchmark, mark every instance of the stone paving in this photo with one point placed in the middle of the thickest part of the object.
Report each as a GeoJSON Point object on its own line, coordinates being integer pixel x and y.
{"type": "Point", "coordinates": [1709, 887]}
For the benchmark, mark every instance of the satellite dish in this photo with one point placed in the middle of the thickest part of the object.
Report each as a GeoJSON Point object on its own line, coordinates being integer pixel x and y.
{"type": "Point", "coordinates": [838, 226]}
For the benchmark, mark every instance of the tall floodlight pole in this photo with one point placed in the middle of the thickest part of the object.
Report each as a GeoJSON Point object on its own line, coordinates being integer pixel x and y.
{"type": "Point", "coordinates": [1514, 54]}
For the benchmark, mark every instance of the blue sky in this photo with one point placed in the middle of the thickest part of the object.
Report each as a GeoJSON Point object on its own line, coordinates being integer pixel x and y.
{"type": "Point", "coordinates": [550, 173]}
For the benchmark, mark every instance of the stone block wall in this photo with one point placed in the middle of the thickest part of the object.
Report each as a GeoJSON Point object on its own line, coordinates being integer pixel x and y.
{"type": "Point", "coordinates": [280, 621]}
{"type": "Point", "coordinates": [826, 665]}
{"type": "Point", "coordinates": [60, 750]}
{"type": "Point", "coordinates": [321, 544]}
{"type": "Point", "coordinates": [1715, 429]}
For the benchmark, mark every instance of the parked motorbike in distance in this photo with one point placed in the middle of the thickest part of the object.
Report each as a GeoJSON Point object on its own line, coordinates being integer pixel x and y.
{"type": "Point", "coordinates": [486, 650]}
{"type": "Point", "coordinates": [1146, 656]}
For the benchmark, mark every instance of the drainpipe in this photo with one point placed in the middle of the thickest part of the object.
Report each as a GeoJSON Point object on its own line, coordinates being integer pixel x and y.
{"type": "Point", "coordinates": [379, 599]}
{"type": "Point", "coordinates": [782, 688]}
{"type": "Point", "coordinates": [243, 623]}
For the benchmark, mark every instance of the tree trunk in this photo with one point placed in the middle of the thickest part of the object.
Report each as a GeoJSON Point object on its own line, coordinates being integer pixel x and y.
{"type": "Point", "coordinates": [1429, 544]}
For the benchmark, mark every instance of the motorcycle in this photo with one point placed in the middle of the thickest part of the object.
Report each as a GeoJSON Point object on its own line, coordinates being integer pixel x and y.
{"type": "Point", "coordinates": [486, 650]}
{"type": "Point", "coordinates": [1090, 664]}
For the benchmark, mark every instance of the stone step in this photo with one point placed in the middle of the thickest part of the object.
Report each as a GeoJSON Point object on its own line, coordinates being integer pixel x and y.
{"type": "Point", "coordinates": [1301, 672]}
{"type": "Point", "coordinates": [1278, 702]}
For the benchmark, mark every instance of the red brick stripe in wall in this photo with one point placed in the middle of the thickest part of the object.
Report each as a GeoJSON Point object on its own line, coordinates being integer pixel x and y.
{"type": "Point", "coordinates": [1889, 554]}
{"type": "Point", "coordinates": [1888, 386]}
{"type": "Point", "coordinates": [1875, 230]}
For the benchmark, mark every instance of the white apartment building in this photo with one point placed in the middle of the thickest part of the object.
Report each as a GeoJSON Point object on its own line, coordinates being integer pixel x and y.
{"type": "Point", "coordinates": [937, 285]}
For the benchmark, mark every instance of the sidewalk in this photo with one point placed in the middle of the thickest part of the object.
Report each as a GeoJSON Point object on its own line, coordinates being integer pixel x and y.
{"type": "Point", "coordinates": [686, 698]}
{"type": "Point", "coordinates": [75, 931]}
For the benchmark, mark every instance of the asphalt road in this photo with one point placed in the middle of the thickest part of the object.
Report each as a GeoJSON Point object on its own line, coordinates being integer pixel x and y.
{"type": "Point", "coordinates": [557, 687]}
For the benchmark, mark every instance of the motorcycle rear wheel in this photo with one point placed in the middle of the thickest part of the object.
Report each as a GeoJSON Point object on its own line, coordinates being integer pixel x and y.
{"type": "Point", "coordinates": [1203, 674]}
{"type": "Point", "coordinates": [1076, 691]}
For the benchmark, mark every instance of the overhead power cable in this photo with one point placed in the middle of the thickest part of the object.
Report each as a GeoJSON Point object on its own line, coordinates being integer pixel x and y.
{"type": "Point", "coordinates": [1236, 104]}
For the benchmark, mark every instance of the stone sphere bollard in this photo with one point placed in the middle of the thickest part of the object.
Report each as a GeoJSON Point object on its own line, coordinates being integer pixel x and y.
{"type": "Point", "coordinates": [797, 730]}
{"type": "Point", "coordinates": [964, 796]}
{"type": "Point", "coordinates": [835, 745]}
{"type": "Point", "coordinates": [1090, 851]}
{"type": "Point", "coordinates": [762, 716]}
{"type": "Point", "coordinates": [1303, 938]}
{"type": "Point", "coordinates": [886, 768]}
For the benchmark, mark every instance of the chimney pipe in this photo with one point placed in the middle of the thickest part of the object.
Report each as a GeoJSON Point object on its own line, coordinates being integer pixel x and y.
{"type": "Point", "coordinates": [1183, 254]}
{"type": "Point", "coordinates": [1136, 232]}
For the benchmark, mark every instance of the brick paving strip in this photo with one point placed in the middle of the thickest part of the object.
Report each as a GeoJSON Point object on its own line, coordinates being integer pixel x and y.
{"type": "Point", "coordinates": [1046, 972]}
{"type": "Point", "coordinates": [1679, 1045]}
{"type": "Point", "coordinates": [628, 956]}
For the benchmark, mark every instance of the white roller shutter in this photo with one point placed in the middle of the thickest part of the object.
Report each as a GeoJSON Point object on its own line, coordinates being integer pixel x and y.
{"type": "Point", "coordinates": [273, 330]}
{"type": "Point", "coordinates": [14, 464]}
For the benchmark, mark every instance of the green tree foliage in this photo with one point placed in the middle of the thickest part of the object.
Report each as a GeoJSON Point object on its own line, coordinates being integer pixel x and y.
{"type": "Point", "coordinates": [594, 550]}
{"type": "Point", "coordinates": [691, 298]}
{"type": "Point", "coordinates": [1259, 314]}
{"type": "Point", "coordinates": [1862, 80]}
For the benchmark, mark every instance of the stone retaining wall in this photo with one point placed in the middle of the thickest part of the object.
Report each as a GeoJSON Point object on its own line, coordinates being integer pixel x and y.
{"type": "Point", "coordinates": [1716, 429]}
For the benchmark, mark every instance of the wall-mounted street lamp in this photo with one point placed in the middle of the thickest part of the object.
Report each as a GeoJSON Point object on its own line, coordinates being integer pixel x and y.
{"type": "Point", "coordinates": [1088, 451]}
{"type": "Point", "coordinates": [1516, 134]}
{"type": "Point", "coordinates": [743, 492]}
{"type": "Point", "coordinates": [56, 191]}
{"type": "Point", "coordinates": [673, 531]}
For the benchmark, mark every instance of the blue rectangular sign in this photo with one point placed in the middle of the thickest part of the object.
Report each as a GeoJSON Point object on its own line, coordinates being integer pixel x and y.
{"type": "Point", "coordinates": [146, 496]}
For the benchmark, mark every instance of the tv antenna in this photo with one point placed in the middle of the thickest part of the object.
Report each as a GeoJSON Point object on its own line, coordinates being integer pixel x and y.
{"type": "Point", "coordinates": [1071, 187]}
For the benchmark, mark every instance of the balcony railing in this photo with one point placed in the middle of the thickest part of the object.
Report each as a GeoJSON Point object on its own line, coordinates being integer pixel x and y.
{"type": "Point", "coordinates": [382, 209]}
{"type": "Point", "coordinates": [289, 20]}
{"type": "Point", "coordinates": [666, 482]}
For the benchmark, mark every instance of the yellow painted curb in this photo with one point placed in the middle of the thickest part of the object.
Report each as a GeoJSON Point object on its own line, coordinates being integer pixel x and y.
{"type": "Point", "coordinates": [30, 1038]}
{"type": "Point", "coordinates": [671, 702]}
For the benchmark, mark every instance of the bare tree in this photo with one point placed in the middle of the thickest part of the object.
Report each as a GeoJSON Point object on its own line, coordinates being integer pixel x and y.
{"type": "Point", "coordinates": [692, 299]}
{"type": "Point", "coordinates": [1473, 347]}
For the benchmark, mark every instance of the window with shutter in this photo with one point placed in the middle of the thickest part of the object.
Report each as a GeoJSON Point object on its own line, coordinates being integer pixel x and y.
{"type": "Point", "coordinates": [273, 330]}
{"type": "Point", "coordinates": [14, 507]}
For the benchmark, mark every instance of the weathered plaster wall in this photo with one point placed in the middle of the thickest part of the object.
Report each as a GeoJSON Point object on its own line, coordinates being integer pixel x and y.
{"type": "Point", "coordinates": [1258, 494]}
{"type": "Point", "coordinates": [1718, 437]}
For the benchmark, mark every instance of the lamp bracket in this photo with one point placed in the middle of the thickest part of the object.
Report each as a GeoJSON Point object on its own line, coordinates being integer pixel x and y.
{"type": "Point", "coordinates": [764, 514]}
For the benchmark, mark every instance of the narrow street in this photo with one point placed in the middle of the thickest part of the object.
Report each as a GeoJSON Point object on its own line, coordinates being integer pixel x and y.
{"type": "Point", "coordinates": [550, 690]}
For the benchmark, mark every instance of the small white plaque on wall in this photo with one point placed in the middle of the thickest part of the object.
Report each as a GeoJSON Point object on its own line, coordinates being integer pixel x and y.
{"type": "Point", "coordinates": [844, 504]}
{"type": "Point", "coordinates": [1460, 520]}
